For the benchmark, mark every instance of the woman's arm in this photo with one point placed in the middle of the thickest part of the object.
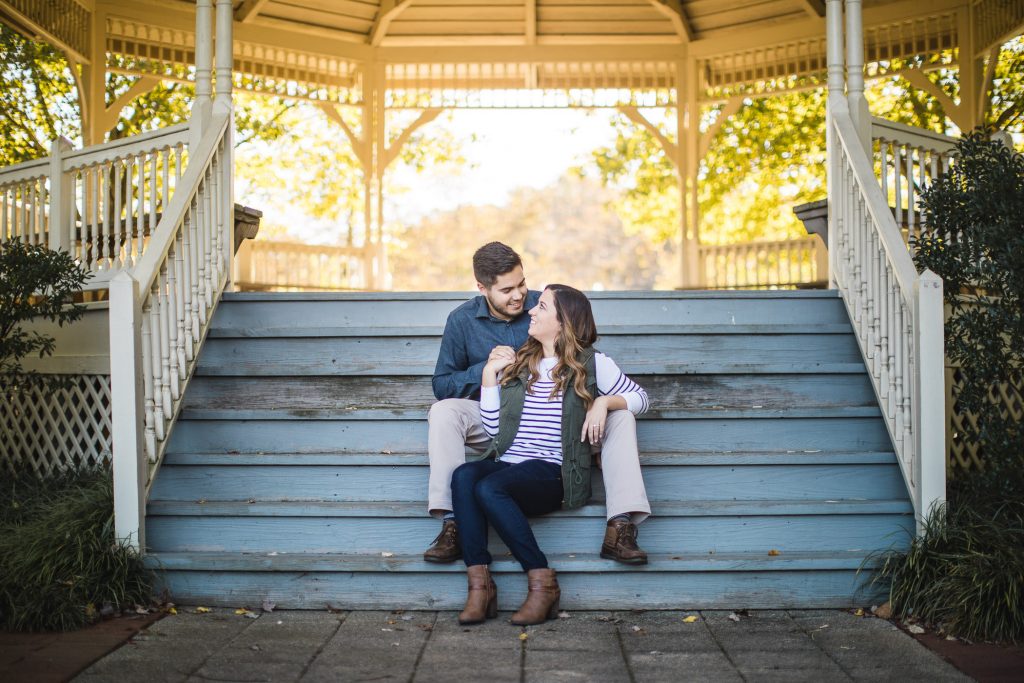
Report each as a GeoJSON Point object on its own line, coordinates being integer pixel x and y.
{"type": "Point", "coordinates": [617, 392]}
{"type": "Point", "coordinates": [490, 392]}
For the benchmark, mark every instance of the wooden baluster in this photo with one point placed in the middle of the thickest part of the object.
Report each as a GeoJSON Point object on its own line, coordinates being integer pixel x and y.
{"type": "Point", "coordinates": [165, 194]}
{"type": "Point", "coordinates": [195, 275]}
{"type": "Point", "coordinates": [201, 252]}
{"type": "Point", "coordinates": [165, 346]}
{"type": "Point", "coordinates": [873, 281]}
{"type": "Point", "coordinates": [149, 432]}
{"type": "Point", "coordinates": [130, 235]}
{"type": "Point", "coordinates": [108, 240]}
{"type": "Point", "coordinates": [153, 196]}
{"type": "Point", "coordinates": [152, 369]}
{"type": "Point", "coordinates": [5, 231]}
{"type": "Point", "coordinates": [94, 222]}
{"type": "Point", "coordinates": [122, 237]}
{"type": "Point", "coordinates": [140, 207]}
{"type": "Point", "coordinates": [910, 222]}
{"type": "Point", "coordinates": [170, 300]}
{"type": "Point", "coordinates": [188, 283]}
{"type": "Point", "coordinates": [178, 294]}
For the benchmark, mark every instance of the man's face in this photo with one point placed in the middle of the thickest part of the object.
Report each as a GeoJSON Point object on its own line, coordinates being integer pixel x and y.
{"type": "Point", "coordinates": [507, 296]}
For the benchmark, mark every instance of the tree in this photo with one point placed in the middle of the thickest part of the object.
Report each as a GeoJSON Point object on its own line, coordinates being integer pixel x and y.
{"type": "Point", "coordinates": [39, 102]}
{"type": "Point", "coordinates": [565, 233]}
{"type": "Point", "coordinates": [771, 154]}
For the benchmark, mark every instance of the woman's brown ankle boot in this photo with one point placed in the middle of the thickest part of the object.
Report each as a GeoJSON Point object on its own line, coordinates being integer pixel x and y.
{"type": "Point", "coordinates": [542, 600]}
{"type": "Point", "coordinates": [482, 599]}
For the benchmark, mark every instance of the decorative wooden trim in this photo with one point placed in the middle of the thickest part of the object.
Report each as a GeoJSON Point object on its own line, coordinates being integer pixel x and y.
{"type": "Point", "coordinates": [249, 10]}
{"type": "Point", "coordinates": [673, 10]}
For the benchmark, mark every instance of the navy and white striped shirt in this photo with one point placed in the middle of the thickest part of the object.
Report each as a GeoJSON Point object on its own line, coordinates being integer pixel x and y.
{"type": "Point", "coordinates": [540, 429]}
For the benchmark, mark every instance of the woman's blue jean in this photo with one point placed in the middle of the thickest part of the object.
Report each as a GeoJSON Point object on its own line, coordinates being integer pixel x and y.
{"type": "Point", "coordinates": [504, 495]}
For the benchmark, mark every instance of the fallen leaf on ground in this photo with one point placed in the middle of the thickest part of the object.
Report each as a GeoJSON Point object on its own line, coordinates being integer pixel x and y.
{"type": "Point", "coordinates": [883, 611]}
{"type": "Point", "coordinates": [564, 615]}
{"type": "Point", "coordinates": [172, 610]}
{"type": "Point", "coordinates": [523, 636]}
{"type": "Point", "coordinates": [774, 553]}
{"type": "Point", "coordinates": [241, 610]}
{"type": "Point", "coordinates": [858, 612]}
{"type": "Point", "coordinates": [203, 610]}
{"type": "Point", "coordinates": [268, 606]}
{"type": "Point", "coordinates": [387, 554]}
{"type": "Point", "coordinates": [733, 616]}
{"type": "Point", "coordinates": [915, 629]}
{"type": "Point", "coordinates": [690, 619]}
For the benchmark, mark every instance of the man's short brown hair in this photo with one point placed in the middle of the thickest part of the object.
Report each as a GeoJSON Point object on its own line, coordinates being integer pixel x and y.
{"type": "Point", "coordinates": [494, 259]}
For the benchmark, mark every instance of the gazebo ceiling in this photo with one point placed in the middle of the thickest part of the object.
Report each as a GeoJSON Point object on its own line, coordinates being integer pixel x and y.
{"type": "Point", "coordinates": [732, 46]}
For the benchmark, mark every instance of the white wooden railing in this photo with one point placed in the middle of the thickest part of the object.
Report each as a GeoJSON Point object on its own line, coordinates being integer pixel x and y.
{"type": "Point", "coordinates": [99, 204]}
{"type": "Point", "coordinates": [289, 266]}
{"type": "Point", "coordinates": [160, 313]}
{"type": "Point", "coordinates": [25, 201]}
{"type": "Point", "coordinates": [907, 159]}
{"type": "Point", "coordinates": [766, 264]}
{"type": "Point", "coordinates": [896, 313]}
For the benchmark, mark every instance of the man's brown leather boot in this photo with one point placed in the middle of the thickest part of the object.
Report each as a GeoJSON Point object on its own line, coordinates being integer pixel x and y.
{"type": "Point", "coordinates": [541, 600]}
{"type": "Point", "coordinates": [446, 547]}
{"type": "Point", "coordinates": [620, 543]}
{"type": "Point", "coordinates": [482, 597]}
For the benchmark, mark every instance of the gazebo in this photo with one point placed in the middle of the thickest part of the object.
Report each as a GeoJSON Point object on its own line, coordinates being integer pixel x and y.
{"type": "Point", "coordinates": [428, 55]}
{"type": "Point", "coordinates": [152, 215]}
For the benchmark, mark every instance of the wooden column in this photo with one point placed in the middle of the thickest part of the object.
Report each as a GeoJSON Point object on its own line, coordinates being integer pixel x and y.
{"type": "Point", "coordinates": [688, 124]}
{"type": "Point", "coordinates": [92, 97]}
{"type": "Point", "coordinates": [855, 73]}
{"type": "Point", "coordinates": [202, 106]}
{"type": "Point", "coordinates": [836, 98]}
{"type": "Point", "coordinates": [970, 71]}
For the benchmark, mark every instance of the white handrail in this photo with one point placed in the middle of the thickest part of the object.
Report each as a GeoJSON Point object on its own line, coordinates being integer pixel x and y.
{"type": "Point", "coordinates": [135, 144]}
{"type": "Point", "coordinates": [160, 312]}
{"type": "Point", "coordinates": [896, 313]}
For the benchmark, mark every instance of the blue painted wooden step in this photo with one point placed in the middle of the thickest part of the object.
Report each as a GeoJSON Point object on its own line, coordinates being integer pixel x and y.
{"type": "Point", "coordinates": [297, 472]}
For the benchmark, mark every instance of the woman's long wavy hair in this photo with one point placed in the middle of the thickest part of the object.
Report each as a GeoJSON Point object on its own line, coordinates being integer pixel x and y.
{"type": "Point", "coordinates": [573, 311]}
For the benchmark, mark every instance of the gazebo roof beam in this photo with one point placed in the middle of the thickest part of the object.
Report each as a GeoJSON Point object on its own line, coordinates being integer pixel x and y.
{"type": "Point", "coordinates": [673, 9]}
{"type": "Point", "coordinates": [738, 40]}
{"type": "Point", "coordinates": [389, 10]}
{"type": "Point", "coordinates": [248, 10]}
{"type": "Point", "coordinates": [815, 8]}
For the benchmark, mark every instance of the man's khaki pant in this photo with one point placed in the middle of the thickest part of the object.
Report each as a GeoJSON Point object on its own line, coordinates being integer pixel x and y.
{"type": "Point", "coordinates": [454, 423]}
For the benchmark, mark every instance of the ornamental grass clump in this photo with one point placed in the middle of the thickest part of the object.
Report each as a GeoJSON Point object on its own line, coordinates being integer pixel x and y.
{"type": "Point", "coordinates": [60, 564]}
{"type": "Point", "coordinates": [965, 574]}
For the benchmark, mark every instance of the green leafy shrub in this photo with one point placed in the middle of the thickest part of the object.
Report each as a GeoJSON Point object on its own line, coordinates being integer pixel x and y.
{"type": "Point", "coordinates": [35, 283]}
{"type": "Point", "coordinates": [965, 574]}
{"type": "Point", "coordinates": [974, 240]}
{"type": "Point", "coordinates": [60, 563]}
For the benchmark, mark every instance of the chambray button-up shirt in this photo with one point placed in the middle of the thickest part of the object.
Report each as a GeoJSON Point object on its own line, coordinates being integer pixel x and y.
{"type": "Point", "coordinates": [469, 335]}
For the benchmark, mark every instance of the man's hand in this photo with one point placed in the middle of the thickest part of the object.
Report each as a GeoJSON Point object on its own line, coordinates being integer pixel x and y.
{"type": "Point", "coordinates": [499, 359]}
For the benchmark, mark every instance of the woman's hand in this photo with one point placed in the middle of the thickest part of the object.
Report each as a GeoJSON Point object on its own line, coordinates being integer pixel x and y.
{"type": "Point", "coordinates": [594, 423]}
{"type": "Point", "coordinates": [499, 359]}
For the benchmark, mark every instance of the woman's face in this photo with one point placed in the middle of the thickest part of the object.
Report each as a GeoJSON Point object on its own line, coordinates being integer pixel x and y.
{"type": "Point", "coordinates": [544, 325]}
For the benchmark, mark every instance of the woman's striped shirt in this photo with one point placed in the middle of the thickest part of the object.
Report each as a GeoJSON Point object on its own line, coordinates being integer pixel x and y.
{"type": "Point", "coordinates": [540, 429]}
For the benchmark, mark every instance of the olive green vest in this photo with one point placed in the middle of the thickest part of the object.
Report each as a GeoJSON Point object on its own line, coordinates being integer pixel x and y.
{"type": "Point", "coordinates": [575, 453]}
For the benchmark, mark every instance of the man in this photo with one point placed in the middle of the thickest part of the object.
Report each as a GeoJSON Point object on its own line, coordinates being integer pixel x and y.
{"type": "Point", "coordinates": [497, 318]}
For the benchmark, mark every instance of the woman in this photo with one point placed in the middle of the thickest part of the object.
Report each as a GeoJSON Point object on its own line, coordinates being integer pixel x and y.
{"type": "Point", "coordinates": [550, 406]}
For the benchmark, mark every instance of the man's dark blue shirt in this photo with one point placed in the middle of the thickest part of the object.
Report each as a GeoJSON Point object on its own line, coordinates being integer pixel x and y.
{"type": "Point", "coordinates": [469, 335]}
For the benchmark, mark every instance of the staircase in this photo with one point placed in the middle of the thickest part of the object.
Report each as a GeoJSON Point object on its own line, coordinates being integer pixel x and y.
{"type": "Point", "coordinates": [297, 471]}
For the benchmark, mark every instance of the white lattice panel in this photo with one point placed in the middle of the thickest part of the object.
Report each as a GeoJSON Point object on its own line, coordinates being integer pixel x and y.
{"type": "Point", "coordinates": [48, 431]}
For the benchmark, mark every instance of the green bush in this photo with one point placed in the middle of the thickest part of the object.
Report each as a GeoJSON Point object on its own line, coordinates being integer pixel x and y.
{"type": "Point", "coordinates": [965, 574]}
{"type": "Point", "coordinates": [35, 283]}
{"type": "Point", "coordinates": [974, 240]}
{"type": "Point", "coordinates": [60, 563]}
